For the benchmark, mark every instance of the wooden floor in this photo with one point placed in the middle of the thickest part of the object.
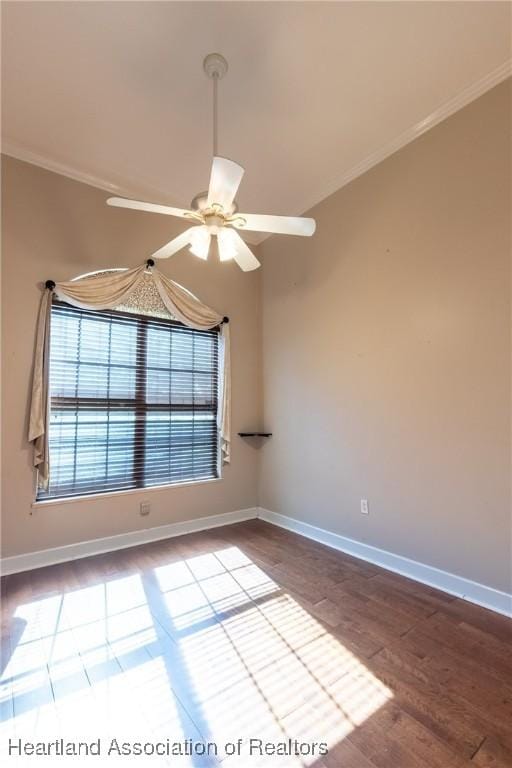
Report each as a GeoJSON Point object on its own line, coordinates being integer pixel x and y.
{"type": "Point", "coordinates": [248, 632]}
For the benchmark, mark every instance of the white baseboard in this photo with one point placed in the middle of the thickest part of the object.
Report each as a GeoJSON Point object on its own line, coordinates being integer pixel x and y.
{"type": "Point", "coordinates": [31, 560]}
{"type": "Point", "coordinates": [494, 599]}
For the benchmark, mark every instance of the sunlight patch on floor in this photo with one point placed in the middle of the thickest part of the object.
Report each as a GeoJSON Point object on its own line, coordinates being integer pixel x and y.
{"type": "Point", "coordinates": [288, 678]}
{"type": "Point", "coordinates": [209, 647]}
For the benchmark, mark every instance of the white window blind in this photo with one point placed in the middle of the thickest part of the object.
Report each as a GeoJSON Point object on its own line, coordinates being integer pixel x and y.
{"type": "Point", "coordinates": [133, 402]}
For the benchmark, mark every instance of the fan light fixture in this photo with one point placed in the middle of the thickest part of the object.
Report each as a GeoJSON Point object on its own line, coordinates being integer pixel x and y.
{"type": "Point", "coordinates": [200, 238]}
{"type": "Point", "coordinates": [215, 213]}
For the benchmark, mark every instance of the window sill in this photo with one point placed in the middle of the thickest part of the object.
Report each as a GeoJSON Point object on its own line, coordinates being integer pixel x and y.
{"type": "Point", "coordinates": [127, 492]}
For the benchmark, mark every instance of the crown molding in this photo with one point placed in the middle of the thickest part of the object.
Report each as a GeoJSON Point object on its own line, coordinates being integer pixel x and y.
{"type": "Point", "coordinates": [138, 190]}
{"type": "Point", "coordinates": [121, 187]}
{"type": "Point", "coordinates": [445, 110]}
{"type": "Point", "coordinates": [13, 149]}
{"type": "Point", "coordinates": [124, 189]}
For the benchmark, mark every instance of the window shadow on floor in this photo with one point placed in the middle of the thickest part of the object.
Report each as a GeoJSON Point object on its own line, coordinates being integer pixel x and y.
{"type": "Point", "coordinates": [202, 645]}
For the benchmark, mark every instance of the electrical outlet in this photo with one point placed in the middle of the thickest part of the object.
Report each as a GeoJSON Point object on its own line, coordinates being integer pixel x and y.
{"type": "Point", "coordinates": [365, 508]}
{"type": "Point", "coordinates": [145, 508]}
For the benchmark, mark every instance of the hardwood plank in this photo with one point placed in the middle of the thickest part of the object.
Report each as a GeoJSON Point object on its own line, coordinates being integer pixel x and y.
{"type": "Point", "coordinates": [424, 744]}
{"type": "Point", "coordinates": [486, 704]}
{"type": "Point", "coordinates": [345, 755]}
{"type": "Point", "coordinates": [391, 620]}
{"type": "Point", "coordinates": [391, 597]}
{"type": "Point", "coordinates": [456, 634]}
{"type": "Point", "coordinates": [425, 646]}
{"type": "Point", "coordinates": [424, 698]}
{"type": "Point", "coordinates": [481, 618]}
{"type": "Point", "coordinates": [252, 628]}
{"type": "Point", "coordinates": [492, 754]}
{"type": "Point", "coordinates": [373, 738]}
{"type": "Point", "coordinates": [434, 596]}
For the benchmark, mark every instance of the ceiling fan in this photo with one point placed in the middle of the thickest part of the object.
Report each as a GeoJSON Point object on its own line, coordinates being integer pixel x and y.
{"type": "Point", "coordinates": [215, 212]}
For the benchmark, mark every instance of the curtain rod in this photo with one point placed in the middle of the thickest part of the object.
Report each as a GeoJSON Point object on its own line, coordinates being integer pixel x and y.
{"type": "Point", "coordinates": [50, 285]}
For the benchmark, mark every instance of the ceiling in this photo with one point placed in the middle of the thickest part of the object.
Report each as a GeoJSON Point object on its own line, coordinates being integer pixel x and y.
{"type": "Point", "coordinates": [113, 93]}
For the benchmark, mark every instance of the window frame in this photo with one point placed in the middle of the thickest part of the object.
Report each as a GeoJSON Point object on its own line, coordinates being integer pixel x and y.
{"type": "Point", "coordinates": [140, 407]}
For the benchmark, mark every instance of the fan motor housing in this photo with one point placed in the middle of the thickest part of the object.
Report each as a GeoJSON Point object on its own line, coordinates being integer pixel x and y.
{"type": "Point", "coordinates": [200, 203]}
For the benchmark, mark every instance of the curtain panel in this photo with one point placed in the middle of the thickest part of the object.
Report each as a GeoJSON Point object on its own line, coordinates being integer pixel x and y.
{"type": "Point", "coordinates": [108, 292]}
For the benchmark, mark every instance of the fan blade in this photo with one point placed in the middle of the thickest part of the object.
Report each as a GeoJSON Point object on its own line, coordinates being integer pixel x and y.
{"type": "Point", "coordinates": [172, 247]}
{"type": "Point", "coordinates": [138, 205]}
{"type": "Point", "coordinates": [243, 256]}
{"type": "Point", "coordinates": [225, 179]}
{"type": "Point", "coordinates": [279, 225]}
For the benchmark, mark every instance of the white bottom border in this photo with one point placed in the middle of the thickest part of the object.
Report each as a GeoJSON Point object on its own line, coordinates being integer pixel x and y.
{"type": "Point", "coordinates": [45, 557]}
{"type": "Point", "coordinates": [472, 591]}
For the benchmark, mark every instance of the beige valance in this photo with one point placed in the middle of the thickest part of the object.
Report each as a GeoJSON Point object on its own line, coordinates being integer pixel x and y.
{"type": "Point", "coordinates": [108, 292]}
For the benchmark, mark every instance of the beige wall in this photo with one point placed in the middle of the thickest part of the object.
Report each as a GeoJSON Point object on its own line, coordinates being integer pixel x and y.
{"type": "Point", "coordinates": [386, 358]}
{"type": "Point", "coordinates": [386, 348]}
{"type": "Point", "coordinates": [57, 228]}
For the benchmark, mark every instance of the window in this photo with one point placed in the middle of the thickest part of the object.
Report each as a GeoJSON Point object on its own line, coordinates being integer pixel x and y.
{"type": "Point", "coordinates": [133, 402]}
